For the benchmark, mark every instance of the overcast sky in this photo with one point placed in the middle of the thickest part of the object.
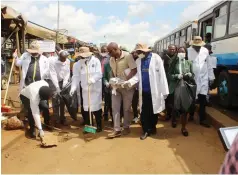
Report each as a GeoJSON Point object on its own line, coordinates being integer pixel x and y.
{"type": "Point", "coordinates": [125, 22]}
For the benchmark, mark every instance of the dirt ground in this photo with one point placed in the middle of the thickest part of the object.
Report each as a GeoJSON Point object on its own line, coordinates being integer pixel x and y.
{"type": "Point", "coordinates": [167, 152]}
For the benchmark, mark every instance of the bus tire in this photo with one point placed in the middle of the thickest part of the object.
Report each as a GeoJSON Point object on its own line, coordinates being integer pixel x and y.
{"type": "Point", "coordinates": [224, 90]}
{"type": "Point", "coordinates": [4, 83]}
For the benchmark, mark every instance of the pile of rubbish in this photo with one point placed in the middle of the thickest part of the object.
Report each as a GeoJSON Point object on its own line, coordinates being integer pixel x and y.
{"type": "Point", "coordinates": [11, 123]}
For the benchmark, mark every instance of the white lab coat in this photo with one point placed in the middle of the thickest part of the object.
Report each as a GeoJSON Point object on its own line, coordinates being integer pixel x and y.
{"type": "Point", "coordinates": [158, 83]}
{"type": "Point", "coordinates": [95, 74]}
{"type": "Point", "coordinates": [202, 69]}
{"type": "Point", "coordinates": [59, 71]}
{"type": "Point", "coordinates": [24, 62]}
{"type": "Point", "coordinates": [32, 93]}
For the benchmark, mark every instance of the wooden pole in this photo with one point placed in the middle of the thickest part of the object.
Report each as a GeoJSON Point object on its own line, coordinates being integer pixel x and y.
{"type": "Point", "coordinates": [23, 39]}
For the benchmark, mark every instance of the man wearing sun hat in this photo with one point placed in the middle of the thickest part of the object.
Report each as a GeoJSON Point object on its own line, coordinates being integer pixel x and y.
{"type": "Point", "coordinates": [35, 67]}
{"type": "Point", "coordinates": [90, 62]}
{"type": "Point", "coordinates": [153, 88]}
{"type": "Point", "coordinates": [203, 71]}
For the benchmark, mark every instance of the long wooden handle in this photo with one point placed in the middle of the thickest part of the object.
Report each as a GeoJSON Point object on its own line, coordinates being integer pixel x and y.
{"type": "Point", "coordinates": [89, 97]}
{"type": "Point", "coordinates": [9, 78]}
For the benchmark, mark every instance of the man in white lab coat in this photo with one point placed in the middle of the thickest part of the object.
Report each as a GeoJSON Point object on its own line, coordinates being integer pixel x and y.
{"type": "Point", "coordinates": [35, 67]}
{"type": "Point", "coordinates": [59, 75]}
{"type": "Point", "coordinates": [153, 88]}
{"type": "Point", "coordinates": [204, 75]}
{"type": "Point", "coordinates": [94, 79]}
{"type": "Point", "coordinates": [33, 98]}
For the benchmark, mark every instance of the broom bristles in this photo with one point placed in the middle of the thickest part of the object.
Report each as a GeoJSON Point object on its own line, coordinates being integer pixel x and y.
{"type": "Point", "coordinates": [90, 129]}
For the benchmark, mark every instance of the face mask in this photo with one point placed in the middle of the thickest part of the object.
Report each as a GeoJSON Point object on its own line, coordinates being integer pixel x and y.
{"type": "Point", "coordinates": [35, 55]}
{"type": "Point", "coordinates": [104, 54]}
{"type": "Point", "coordinates": [141, 56]}
{"type": "Point", "coordinates": [181, 55]}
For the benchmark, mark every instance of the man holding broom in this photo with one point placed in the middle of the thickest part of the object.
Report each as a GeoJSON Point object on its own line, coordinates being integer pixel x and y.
{"type": "Point", "coordinates": [88, 71]}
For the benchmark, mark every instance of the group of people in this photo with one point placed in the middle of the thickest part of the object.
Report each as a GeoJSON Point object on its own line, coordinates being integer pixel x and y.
{"type": "Point", "coordinates": [121, 78]}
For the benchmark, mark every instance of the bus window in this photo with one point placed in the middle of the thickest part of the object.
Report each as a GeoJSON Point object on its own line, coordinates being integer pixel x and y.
{"type": "Point", "coordinates": [177, 39]}
{"type": "Point", "coordinates": [168, 41]}
{"type": "Point", "coordinates": [165, 44]}
{"type": "Point", "coordinates": [172, 39]}
{"type": "Point", "coordinates": [220, 22]}
{"type": "Point", "coordinates": [206, 30]}
{"type": "Point", "coordinates": [189, 33]}
{"type": "Point", "coordinates": [182, 38]}
{"type": "Point", "coordinates": [233, 22]}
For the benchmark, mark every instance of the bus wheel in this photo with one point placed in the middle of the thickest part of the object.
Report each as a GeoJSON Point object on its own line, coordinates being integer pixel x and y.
{"type": "Point", "coordinates": [4, 83]}
{"type": "Point", "coordinates": [224, 90]}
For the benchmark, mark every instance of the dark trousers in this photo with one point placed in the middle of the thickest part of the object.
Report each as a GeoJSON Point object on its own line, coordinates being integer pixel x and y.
{"type": "Point", "coordinates": [169, 105]}
{"type": "Point", "coordinates": [59, 105]}
{"type": "Point", "coordinates": [148, 118]}
{"type": "Point", "coordinates": [43, 106]}
{"type": "Point", "coordinates": [81, 99]}
{"type": "Point", "coordinates": [202, 101]}
{"type": "Point", "coordinates": [108, 102]}
{"type": "Point", "coordinates": [202, 107]}
{"type": "Point", "coordinates": [98, 117]}
{"type": "Point", "coordinates": [135, 102]}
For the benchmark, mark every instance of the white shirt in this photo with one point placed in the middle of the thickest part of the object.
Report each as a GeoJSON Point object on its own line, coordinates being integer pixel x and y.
{"type": "Point", "coordinates": [59, 71]}
{"type": "Point", "coordinates": [32, 93]}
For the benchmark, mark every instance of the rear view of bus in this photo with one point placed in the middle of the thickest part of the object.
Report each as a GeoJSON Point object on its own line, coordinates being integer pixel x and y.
{"type": "Point", "coordinates": [221, 23]}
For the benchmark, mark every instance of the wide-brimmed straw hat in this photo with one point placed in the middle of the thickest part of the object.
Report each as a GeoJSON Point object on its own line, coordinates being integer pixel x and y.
{"type": "Point", "coordinates": [142, 47]}
{"type": "Point", "coordinates": [34, 47]}
{"type": "Point", "coordinates": [197, 41]}
{"type": "Point", "coordinates": [84, 52]}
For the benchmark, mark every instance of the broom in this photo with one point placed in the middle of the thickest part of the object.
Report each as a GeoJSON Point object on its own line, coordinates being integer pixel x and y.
{"type": "Point", "coordinates": [91, 128]}
{"type": "Point", "coordinates": [4, 107]}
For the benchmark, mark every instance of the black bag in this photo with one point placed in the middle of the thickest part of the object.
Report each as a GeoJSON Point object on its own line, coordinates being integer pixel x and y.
{"type": "Point", "coordinates": [184, 96]}
{"type": "Point", "coordinates": [71, 102]}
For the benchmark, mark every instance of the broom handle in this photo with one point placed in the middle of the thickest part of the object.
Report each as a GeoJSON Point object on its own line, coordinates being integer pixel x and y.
{"type": "Point", "coordinates": [89, 99]}
{"type": "Point", "coordinates": [9, 78]}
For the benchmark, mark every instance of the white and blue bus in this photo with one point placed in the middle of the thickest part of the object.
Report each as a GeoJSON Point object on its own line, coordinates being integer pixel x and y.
{"type": "Point", "coordinates": [221, 20]}
{"type": "Point", "coordinates": [180, 36]}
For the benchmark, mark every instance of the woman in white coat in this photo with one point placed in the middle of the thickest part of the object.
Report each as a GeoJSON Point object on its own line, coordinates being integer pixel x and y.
{"type": "Point", "coordinates": [153, 88]}
{"type": "Point", "coordinates": [95, 82]}
{"type": "Point", "coordinates": [203, 72]}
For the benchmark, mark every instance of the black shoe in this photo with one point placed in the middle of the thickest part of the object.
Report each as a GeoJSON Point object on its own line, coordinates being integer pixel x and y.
{"type": "Point", "coordinates": [84, 132]}
{"type": "Point", "coordinates": [105, 118]}
{"type": "Point", "coordinates": [47, 127]}
{"type": "Point", "coordinates": [209, 104]}
{"type": "Point", "coordinates": [205, 124]}
{"type": "Point", "coordinates": [31, 133]}
{"type": "Point", "coordinates": [64, 123]}
{"type": "Point", "coordinates": [184, 132]}
{"type": "Point", "coordinates": [167, 118]}
{"type": "Point", "coordinates": [174, 124]}
{"type": "Point", "coordinates": [144, 136]}
{"type": "Point", "coordinates": [99, 130]}
{"type": "Point", "coordinates": [74, 118]}
{"type": "Point", "coordinates": [191, 118]}
{"type": "Point", "coordinates": [153, 131]}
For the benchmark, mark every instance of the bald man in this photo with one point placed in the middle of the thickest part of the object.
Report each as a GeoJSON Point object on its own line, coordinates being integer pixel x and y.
{"type": "Point", "coordinates": [119, 62]}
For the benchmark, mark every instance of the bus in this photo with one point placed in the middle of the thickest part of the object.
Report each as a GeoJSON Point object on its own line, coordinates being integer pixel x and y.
{"type": "Point", "coordinates": [180, 37]}
{"type": "Point", "coordinates": [221, 21]}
